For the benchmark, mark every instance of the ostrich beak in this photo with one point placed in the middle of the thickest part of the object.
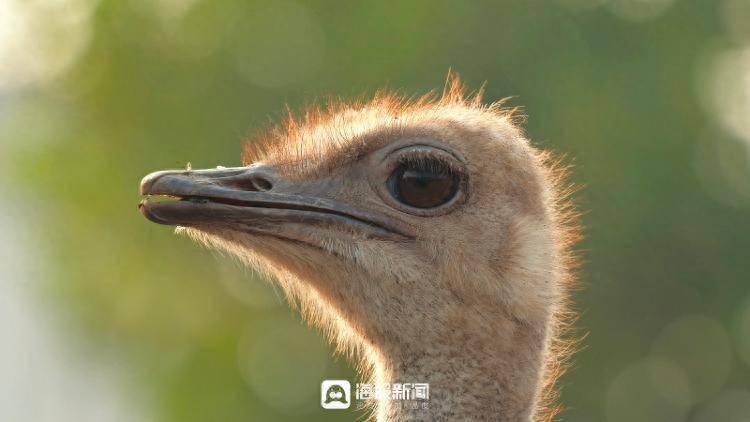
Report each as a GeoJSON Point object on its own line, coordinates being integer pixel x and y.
{"type": "Point", "coordinates": [254, 199]}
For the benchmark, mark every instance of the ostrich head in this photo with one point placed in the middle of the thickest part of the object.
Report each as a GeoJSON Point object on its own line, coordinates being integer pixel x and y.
{"type": "Point", "coordinates": [426, 236]}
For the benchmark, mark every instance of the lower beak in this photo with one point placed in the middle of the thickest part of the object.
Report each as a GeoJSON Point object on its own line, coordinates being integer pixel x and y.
{"type": "Point", "coordinates": [250, 199]}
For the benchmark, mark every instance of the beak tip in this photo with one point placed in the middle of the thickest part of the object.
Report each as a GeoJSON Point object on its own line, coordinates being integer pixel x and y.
{"type": "Point", "coordinates": [148, 181]}
{"type": "Point", "coordinates": [148, 211]}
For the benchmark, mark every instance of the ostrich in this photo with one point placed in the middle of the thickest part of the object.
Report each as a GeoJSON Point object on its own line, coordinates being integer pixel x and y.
{"type": "Point", "coordinates": [426, 237]}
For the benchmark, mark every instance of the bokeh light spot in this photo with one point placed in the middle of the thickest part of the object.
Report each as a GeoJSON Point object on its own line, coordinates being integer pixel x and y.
{"type": "Point", "coordinates": [39, 40]}
{"type": "Point", "coordinates": [726, 90]}
{"type": "Point", "coordinates": [283, 362]}
{"type": "Point", "coordinates": [701, 346]}
{"type": "Point", "coordinates": [649, 390]}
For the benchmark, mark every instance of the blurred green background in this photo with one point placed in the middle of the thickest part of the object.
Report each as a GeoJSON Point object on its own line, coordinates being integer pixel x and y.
{"type": "Point", "coordinates": [105, 316]}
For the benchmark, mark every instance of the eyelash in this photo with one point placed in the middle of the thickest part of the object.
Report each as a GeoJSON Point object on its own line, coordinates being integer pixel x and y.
{"type": "Point", "coordinates": [428, 161]}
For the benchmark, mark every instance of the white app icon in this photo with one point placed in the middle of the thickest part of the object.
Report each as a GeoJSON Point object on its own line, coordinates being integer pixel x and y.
{"type": "Point", "coordinates": [335, 394]}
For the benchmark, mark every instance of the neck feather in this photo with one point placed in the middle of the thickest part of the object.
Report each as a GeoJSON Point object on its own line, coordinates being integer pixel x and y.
{"type": "Point", "coordinates": [483, 366]}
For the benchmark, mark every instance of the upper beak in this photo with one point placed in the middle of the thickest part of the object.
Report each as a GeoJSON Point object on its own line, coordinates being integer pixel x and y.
{"type": "Point", "coordinates": [253, 199]}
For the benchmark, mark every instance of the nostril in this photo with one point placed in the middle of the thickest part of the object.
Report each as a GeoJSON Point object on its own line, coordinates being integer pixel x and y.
{"type": "Point", "coordinates": [261, 183]}
{"type": "Point", "coordinates": [254, 181]}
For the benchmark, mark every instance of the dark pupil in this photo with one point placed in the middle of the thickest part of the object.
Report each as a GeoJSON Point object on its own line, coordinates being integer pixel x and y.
{"type": "Point", "coordinates": [423, 187]}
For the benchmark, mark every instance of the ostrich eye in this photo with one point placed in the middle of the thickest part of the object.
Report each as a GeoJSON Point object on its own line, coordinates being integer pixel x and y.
{"type": "Point", "coordinates": [423, 183]}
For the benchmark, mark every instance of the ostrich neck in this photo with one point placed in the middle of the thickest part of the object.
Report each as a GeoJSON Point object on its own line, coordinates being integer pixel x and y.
{"type": "Point", "coordinates": [479, 365]}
